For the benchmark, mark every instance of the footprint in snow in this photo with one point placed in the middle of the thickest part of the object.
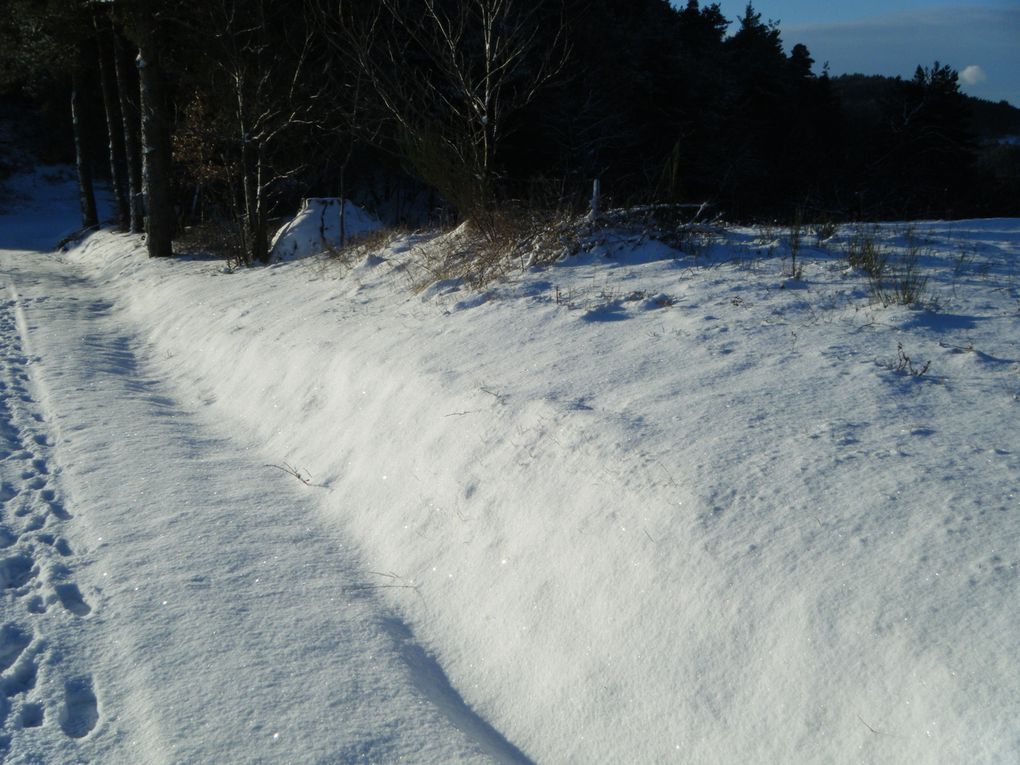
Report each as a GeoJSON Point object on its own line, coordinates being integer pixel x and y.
{"type": "Point", "coordinates": [32, 715]}
{"type": "Point", "coordinates": [58, 510]}
{"type": "Point", "coordinates": [80, 711]}
{"type": "Point", "coordinates": [15, 571]}
{"type": "Point", "coordinates": [57, 543]}
{"type": "Point", "coordinates": [34, 523]}
{"type": "Point", "coordinates": [70, 597]}
{"type": "Point", "coordinates": [13, 640]}
{"type": "Point", "coordinates": [21, 678]}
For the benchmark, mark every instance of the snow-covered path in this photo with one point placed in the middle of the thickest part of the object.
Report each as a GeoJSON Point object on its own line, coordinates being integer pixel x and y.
{"type": "Point", "coordinates": [166, 597]}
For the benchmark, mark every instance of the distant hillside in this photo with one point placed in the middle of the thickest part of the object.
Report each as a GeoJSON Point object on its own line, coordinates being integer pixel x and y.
{"type": "Point", "coordinates": [995, 119]}
{"type": "Point", "coordinates": [862, 93]}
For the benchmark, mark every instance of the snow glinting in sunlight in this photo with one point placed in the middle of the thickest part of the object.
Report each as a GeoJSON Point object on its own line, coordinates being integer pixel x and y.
{"type": "Point", "coordinates": [747, 502]}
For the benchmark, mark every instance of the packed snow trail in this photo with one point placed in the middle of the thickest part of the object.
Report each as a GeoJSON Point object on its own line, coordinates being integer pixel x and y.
{"type": "Point", "coordinates": [42, 603]}
{"type": "Point", "coordinates": [166, 597]}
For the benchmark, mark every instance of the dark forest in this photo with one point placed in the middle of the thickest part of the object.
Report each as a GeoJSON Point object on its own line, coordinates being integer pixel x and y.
{"type": "Point", "coordinates": [230, 111]}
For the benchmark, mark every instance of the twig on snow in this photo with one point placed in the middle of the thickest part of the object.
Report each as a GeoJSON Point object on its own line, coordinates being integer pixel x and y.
{"type": "Point", "coordinates": [291, 470]}
{"type": "Point", "coordinates": [877, 733]}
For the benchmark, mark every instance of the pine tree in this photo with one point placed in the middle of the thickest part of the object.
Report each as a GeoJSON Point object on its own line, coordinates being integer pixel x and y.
{"type": "Point", "coordinates": [156, 167]}
{"type": "Point", "coordinates": [80, 101]}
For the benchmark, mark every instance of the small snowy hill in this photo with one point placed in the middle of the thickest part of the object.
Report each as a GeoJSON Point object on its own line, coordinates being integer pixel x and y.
{"type": "Point", "coordinates": [642, 505]}
{"type": "Point", "coordinates": [322, 223]}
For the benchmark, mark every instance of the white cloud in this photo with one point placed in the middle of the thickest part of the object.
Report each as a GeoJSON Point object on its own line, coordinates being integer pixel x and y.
{"type": "Point", "coordinates": [972, 75]}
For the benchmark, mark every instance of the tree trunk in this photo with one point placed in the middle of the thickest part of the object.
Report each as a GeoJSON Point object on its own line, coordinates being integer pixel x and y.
{"type": "Point", "coordinates": [114, 129]}
{"type": "Point", "coordinates": [260, 230]}
{"type": "Point", "coordinates": [159, 217]}
{"type": "Point", "coordinates": [82, 146]}
{"type": "Point", "coordinates": [250, 191]}
{"type": "Point", "coordinates": [256, 244]}
{"type": "Point", "coordinates": [127, 87]}
{"type": "Point", "coordinates": [343, 200]}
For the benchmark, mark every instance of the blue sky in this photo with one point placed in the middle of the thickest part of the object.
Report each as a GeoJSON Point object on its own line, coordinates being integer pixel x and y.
{"type": "Point", "coordinates": [980, 39]}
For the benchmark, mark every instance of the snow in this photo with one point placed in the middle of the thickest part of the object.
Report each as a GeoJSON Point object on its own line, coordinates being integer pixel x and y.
{"type": "Point", "coordinates": [316, 228]}
{"type": "Point", "coordinates": [638, 506]}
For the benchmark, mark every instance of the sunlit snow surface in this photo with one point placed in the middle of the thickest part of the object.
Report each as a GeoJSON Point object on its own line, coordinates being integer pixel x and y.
{"type": "Point", "coordinates": [167, 598]}
{"type": "Point", "coordinates": [639, 506]}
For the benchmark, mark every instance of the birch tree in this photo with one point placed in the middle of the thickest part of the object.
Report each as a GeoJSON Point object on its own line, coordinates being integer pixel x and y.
{"type": "Point", "coordinates": [451, 75]}
{"type": "Point", "coordinates": [127, 94]}
{"type": "Point", "coordinates": [105, 54]}
{"type": "Point", "coordinates": [252, 107]}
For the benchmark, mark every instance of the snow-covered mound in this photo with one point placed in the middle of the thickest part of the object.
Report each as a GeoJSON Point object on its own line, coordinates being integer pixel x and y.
{"type": "Point", "coordinates": [323, 223]}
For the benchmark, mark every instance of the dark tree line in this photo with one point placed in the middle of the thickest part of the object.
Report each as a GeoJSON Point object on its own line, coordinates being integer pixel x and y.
{"type": "Point", "coordinates": [229, 111]}
{"type": "Point", "coordinates": [106, 58]}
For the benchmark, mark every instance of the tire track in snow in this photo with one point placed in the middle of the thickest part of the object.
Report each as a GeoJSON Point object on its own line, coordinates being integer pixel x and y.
{"type": "Point", "coordinates": [35, 572]}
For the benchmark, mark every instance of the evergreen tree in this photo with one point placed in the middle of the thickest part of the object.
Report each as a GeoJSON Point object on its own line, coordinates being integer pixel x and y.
{"type": "Point", "coordinates": [701, 104]}
{"type": "Point", "coordinates": [761, 115]}
{"type": "Point", "coordinates": [935, 131]}
{"type": "Point", "coordinates": [143, 28]}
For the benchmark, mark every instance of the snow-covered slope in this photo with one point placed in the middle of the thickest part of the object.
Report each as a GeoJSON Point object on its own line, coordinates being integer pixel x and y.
{"type": "Point", "coordinates": [638, 506]}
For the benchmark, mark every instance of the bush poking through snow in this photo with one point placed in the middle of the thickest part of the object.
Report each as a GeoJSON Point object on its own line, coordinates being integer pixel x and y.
{"type": "Point", "coordinates": [824, 231]}
{"type": "Point", "coordinates": [901, 280]}
{"type": "Point", "coordinates": [366, 245]}
{"type": "Point", "coordinates": [482, 250]}
{"type": "Point", "coordinates": [910, 284]}
{"type": "Point", "coordinates": [464, 253]}
{"type": "Point", "coordinates": [891, 281]}
{"type": "Point", "coordinates": [905, 365]}
{"type": "Point", "coordinates": [794, 242]}
{"type": "Point", "coordinates": [503, 243]}
{"type": "Point", "coordinates": [865, 254]}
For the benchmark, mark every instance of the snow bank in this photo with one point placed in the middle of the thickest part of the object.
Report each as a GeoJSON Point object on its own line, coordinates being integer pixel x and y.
{"type": "Point", "coordinates": [648, 509]}
{"type": "Point", "coordinates": [316, 228]}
